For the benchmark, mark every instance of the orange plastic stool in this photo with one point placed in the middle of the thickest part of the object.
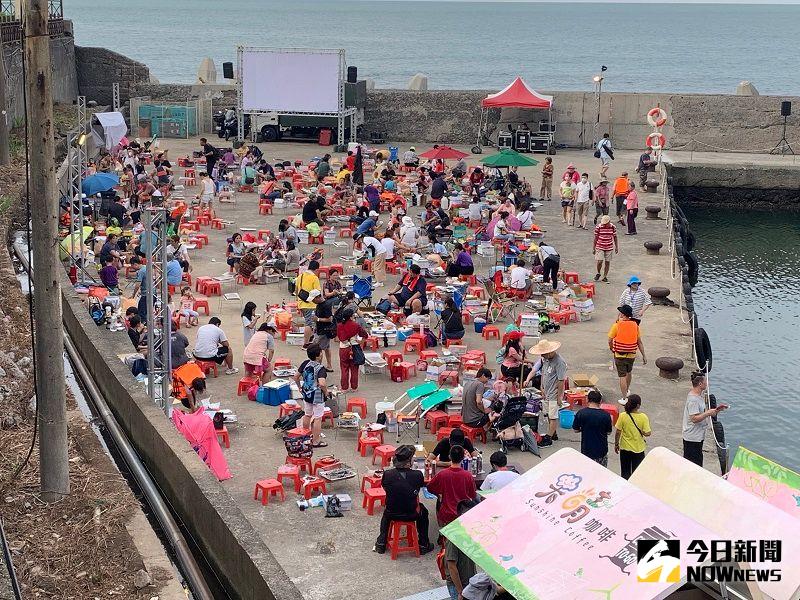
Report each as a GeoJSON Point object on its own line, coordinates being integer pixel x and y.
{"type": "Point", "coordinates": [287, 409]}
{"type": "Point", "coordinates": [224, 437]}
{"type": "Point", "coordinates": [283, 363]}
{"type": "Point", "coordinates": [455, 421]}
{"type": "Point", "coordinates": [290, 472]}
{"type": "Point", "coordinates": [612, 410]}
{"type": "Point", "coordinates": [367, 442]}
{"type": "Point", "coordinates": [371, 496]}
{"type": "Point", "coordinates": [268, 487]}
{"type": "Point", "coordinates": [491, 331]}
{"type": "Point", "coordinates": [473, 433]}
{"type": "Point", "coordinates": [443, 432]}
{"type": "Point", "coordinates": [313, 485]}
{"type": "Point", "coordinates": [395, 538]}
{"type": "Point", "coordinates": [326, 462]}
{"type": "Point", "coordinates": [385, 453]}
{"type": "Point", "coordinates": [359, 403]}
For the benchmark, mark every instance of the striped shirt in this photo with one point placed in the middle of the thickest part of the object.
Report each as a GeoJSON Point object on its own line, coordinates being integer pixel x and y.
{"type": "Point", "coordinates": [637, 301]}
{"type": "Point", "coordinates": [605, 237]}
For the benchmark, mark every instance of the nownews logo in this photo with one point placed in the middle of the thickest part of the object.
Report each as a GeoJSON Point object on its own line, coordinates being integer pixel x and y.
{"type": "Point", "coordinates": [660, 560]}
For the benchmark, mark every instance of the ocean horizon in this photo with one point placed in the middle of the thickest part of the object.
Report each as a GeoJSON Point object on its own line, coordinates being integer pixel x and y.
{"type": "Point", "coordinates": [671, 47]}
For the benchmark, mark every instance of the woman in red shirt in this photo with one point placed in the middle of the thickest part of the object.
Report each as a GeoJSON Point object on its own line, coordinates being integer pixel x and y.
{"type": "Point", "coordinates": [347, 331]}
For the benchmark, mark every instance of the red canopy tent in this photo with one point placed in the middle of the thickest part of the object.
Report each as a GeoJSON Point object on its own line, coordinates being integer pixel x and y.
{"type": "Point", "coordinates": [444, 153]}
{"type": "Point", "coordinates": [517, 94]}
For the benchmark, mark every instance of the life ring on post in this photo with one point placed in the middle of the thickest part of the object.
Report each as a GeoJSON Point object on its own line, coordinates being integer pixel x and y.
{"type": "Point", "coordinates": [702, 348]}
{"type": "Point", "coordinates": [656, 140]}
{"type": "Point", "coordinates": [657, 117]}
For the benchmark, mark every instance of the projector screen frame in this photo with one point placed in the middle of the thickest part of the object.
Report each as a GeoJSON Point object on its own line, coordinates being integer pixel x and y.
{"type": "Point", "coordinates": [341, 79]}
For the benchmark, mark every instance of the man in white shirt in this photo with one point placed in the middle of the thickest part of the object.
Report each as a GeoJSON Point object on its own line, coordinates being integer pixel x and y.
{"type": "Point", "coordinates": [374, 247]}
{"type": "Point", "coordinates": [500, 475]}
{"type": "Point", "coordinates": [583, 196]}
{"type": "Point", "coordinates": [521, 277]}
{"type": "Point", "coordinates": [388, 244]}
{"type": "Point", "coordinates": [606, 154]}
{"type": "Point", "coordinates": [410, 158]}
{"type": "Point", "coordinates": [212, 344]}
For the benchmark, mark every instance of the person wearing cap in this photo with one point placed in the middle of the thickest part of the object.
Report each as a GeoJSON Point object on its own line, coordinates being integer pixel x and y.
{"type": "Point", "coordinates": [622, 185]}
{"type": "Point", "coordinates": [402, 485]}
{"type": "Point", "coordinates": [604, 247]}
{"type": "Point", "coordinates": [374, 248]}
{"type": "Point", "coordinates": [350, 334]}
{"type": "Point", "coordinates": [410, 158]}
{"type": "Point", "coordinates": [624, 340]}
{"type": "Point", "coordinates": [600, 199]}
{"type": "Point", "coordinates": [554, 373]}
{"type": "Point", "coordinates": [635, 297]}
{"type": "Point", "coordinates": [411, 291]}
{"type": "Point", "coordinates": [368, 225]}
{"type": "Point", "coordinates": [571, 174]}
{"type": "Point", "coordinates": [306, 283]}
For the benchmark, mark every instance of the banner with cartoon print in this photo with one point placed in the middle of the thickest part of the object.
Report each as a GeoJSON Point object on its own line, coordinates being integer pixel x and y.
{"type": "Point", "coordinates": [568, 529]}
{"type": "Point", "coordinates": [769, 481]}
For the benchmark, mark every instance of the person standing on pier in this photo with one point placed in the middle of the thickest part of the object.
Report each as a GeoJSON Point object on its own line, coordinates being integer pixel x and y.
{"type": "Point", "coordinates": [546, 189]}
{"type": "Point", "coordinates": [632, 427]}
{"type": "Point", "coordinates": [632, 208]}
{"type": "Point", "coordinates": [624, 340]}
{"type": "Point", "coordinates": [622, 186]}
{"type": "Point", "coordinates": [554, 373]}
{"type": "Point", "coordinates": [696, 419]}
{"type": "Point", "coordinates": [210, 154]}
{"type": "Point", "coordinates": [646, 164]}
{"type": "Point", "coordinates": [605, 153]}
{"type": "Point", "coordinates": [635, 297]}
{"type": "Point", "coordinates": [605, 246]}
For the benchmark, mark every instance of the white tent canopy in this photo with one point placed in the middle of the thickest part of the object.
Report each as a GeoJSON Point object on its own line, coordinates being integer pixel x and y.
{"type": "Point", "coordinates": [114, 129]}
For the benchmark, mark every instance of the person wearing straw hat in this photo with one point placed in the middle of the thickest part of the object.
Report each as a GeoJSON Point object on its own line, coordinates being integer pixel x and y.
{"type": "Point", "coordinates": [554, 373]}
{"type": "Point", "coordinates": [624, 340]}
{"type": "Point", "coordinates": [605, 246]}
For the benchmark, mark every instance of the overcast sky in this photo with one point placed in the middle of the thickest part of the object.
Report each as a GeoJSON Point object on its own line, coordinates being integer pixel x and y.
{"type": "Point", "coordinates": [642, 1]}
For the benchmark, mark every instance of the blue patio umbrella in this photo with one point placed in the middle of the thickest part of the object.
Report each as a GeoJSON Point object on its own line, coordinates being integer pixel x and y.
{"type": "Point", "coordinates": [99, 182]}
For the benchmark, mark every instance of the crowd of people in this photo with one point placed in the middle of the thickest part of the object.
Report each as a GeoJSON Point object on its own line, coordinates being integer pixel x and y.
{"type": "Point", "coordinates": [386, 232]}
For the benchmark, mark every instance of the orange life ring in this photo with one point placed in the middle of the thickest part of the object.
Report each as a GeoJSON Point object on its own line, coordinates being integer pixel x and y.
{"type": "Point", "coordinates": [656, 140]}
{"type": "Point", "coordinates": [657, 117]}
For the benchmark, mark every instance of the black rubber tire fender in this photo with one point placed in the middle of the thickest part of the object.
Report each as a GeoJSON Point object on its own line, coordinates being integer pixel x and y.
{"type": "Point", "coordinates": [702, 346]}
{"type": "Point", "coordinates": [694, 267]}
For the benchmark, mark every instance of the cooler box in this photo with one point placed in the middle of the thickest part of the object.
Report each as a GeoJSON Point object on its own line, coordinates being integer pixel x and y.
{"type": "Point", "coordinates": [274, 393]}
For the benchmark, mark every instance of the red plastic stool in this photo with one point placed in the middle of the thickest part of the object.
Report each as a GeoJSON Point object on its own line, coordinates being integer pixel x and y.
{"type": "Point", "coordinates": [338, 267]}
{"type": "Point", "coordinates": [283, 363]}
{"type": "Point", "coordinates": [413, 344]}
{"type": "Point", "coordinates": [435, 419]}
{"type": "Point", "coordinates": [198, 304]}
{"type": "Point", "coordinates": [200, 282]}
{"type": "Point", "coordinates": [443, 432]}
{"type": "Point", "coordinates": [392, 356]}
{"type": "Point", "coordinates": [612, 410]}
{"type": "Point", "coordinates": [222, 435]}
{"type": "Point", "coordinates": [491, 331]}
{"type": "Point", "coordinates": [214, 288]}
{"type": "Point", "coordinates": [327, 415]}
{"type": "Point", "coordinates": [269, 487]}
{"type": "Point", "coordinates": [455, 421]}
{"type": "Point", "coordinates": [313, 485]}
{"type": "Point", "coordinates": [265, 209]}
{"type": "Point", "coordinates": [374, 481]}
{"type": "Point", "coordinates": [477, 291]}
{"type": "Point", "coordinates": [323, 270]}
{"type": "Point", "coordinates": [371, 496]}
{"type": "Point", "coordinates": [451, 375]}
{"type": "Point", "coordinates": [480, 354]}
{"type": "Point", "coordinates": [287, 409]}
{"type": "Point", "coordinates": [372, 342]}
{"type": "Point", "coordinates": [367, 442]}
{"type": "Point", "coordinates": [207, 366]}
{"type": "Point", "coordinates": [473, 433]}
{"type": "Point", "coordinates": [406, 368]}
{"type": "Point", "coordinates": [359, 403]}
{"type": "Point", "coordinates": [217, 224]}
{"type": "Point", "coordinates": [449, 342]}
{"type": "Point", "coordinates": [385, 452]}
{"type": "Point", "coordinates": [290, 472]}
{"type": "Point", "coordinates": [428, 355]}
{"type": "Point", "coordinates": [571, 277]}
{"type": "Point", "coordinates": [303, 463]}
{"type": "Point", "coordinates": [589, 288]}
{"type": "Point", "coordinates": [326, 462]}
{"type": "Point", "coordinates": [245, 383]}
{"type": "Point", "coordinates": [395, 539]}
{"type": "Point", "coordinates": [298, 432]}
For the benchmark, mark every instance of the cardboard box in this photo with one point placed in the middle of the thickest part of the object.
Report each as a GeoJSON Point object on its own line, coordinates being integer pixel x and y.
{"type": "Point", "coordinates": [584, 380]}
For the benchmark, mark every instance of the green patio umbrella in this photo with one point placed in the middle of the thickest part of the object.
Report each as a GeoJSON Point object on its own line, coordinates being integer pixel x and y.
{"type": "Point", "coordinates": [509, 158]}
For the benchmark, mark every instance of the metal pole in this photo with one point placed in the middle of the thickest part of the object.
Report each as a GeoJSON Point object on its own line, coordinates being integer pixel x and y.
{"type": "Point", "coordinates": [159, 320]}
{"type": "Point", "coordinates": [5, 153]}
{"type": "Point", "coordinates": [48, 335]}
{"type": "Point", "coordinates": [115, 95]}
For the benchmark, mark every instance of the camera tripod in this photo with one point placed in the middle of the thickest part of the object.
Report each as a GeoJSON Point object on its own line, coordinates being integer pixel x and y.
{"type": "Point", "coordinates": [783, 146]}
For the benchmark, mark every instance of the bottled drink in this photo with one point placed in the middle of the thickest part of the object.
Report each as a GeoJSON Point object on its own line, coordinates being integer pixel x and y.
{"type": "Point", "coordinates": [479, 465]}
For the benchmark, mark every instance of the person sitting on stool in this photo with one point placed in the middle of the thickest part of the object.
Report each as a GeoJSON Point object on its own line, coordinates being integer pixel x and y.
{"type": "Point", "coordinates": [410, 293]}
{"type": "Point", "coordinates": [402, 485]}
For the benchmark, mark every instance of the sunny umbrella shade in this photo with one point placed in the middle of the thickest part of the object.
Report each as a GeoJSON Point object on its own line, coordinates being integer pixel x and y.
{"type": "Point", "coordinates": [99, 182]}
{"type": "Point", "coordinates": [509, 158]}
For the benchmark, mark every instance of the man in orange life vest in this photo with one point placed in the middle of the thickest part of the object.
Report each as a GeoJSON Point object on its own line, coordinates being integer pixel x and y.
{"type": "Point", "coordinates": [623, 340]}
{"type": "Point", "coordinates": [410, 293]}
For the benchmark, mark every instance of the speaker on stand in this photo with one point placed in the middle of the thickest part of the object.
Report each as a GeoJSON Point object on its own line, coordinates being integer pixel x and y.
{"type": "Point", "coordinates": [352, 74]}
{"type": "Point", "coordinates": [783, 146]}
{"type": "Point", "coordinates": [227, 70]}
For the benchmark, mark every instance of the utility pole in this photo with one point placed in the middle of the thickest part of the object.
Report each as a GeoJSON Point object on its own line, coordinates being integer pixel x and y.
{"type": "Point", "coordinates": [48, 334]}
{"type": "Point", "coordinates": [5, 155]}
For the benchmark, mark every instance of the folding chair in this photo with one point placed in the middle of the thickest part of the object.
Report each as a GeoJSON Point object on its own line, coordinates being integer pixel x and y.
{"type": "Point", "coordinates": [362, 288]}
{"type": "Point", "coordinates": [423, 400]}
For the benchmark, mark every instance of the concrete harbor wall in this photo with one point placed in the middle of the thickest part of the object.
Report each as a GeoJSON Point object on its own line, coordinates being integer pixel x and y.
{"type": "Point", "coordinates": [98, 69]}
{"type": "Point", "coordinates": [233, 549]}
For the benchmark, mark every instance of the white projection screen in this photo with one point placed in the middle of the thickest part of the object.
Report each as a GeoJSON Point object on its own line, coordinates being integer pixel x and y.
{"type": "Point", "coordinates": [290, 80]}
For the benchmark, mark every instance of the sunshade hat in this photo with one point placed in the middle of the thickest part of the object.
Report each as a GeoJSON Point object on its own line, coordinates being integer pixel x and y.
{"type": "Point", "coordinates": [408, 221]}
{"type": "Point", "coordinates": [515, 335]}
{"type": "Point", "coordinates": [545, 347]}
{"type": "Point", "coordinates": [632, 280]}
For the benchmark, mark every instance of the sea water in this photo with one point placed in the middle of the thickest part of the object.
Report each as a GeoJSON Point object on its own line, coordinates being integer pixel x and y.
{"type": "Point", "coordinates": [650, 47]}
